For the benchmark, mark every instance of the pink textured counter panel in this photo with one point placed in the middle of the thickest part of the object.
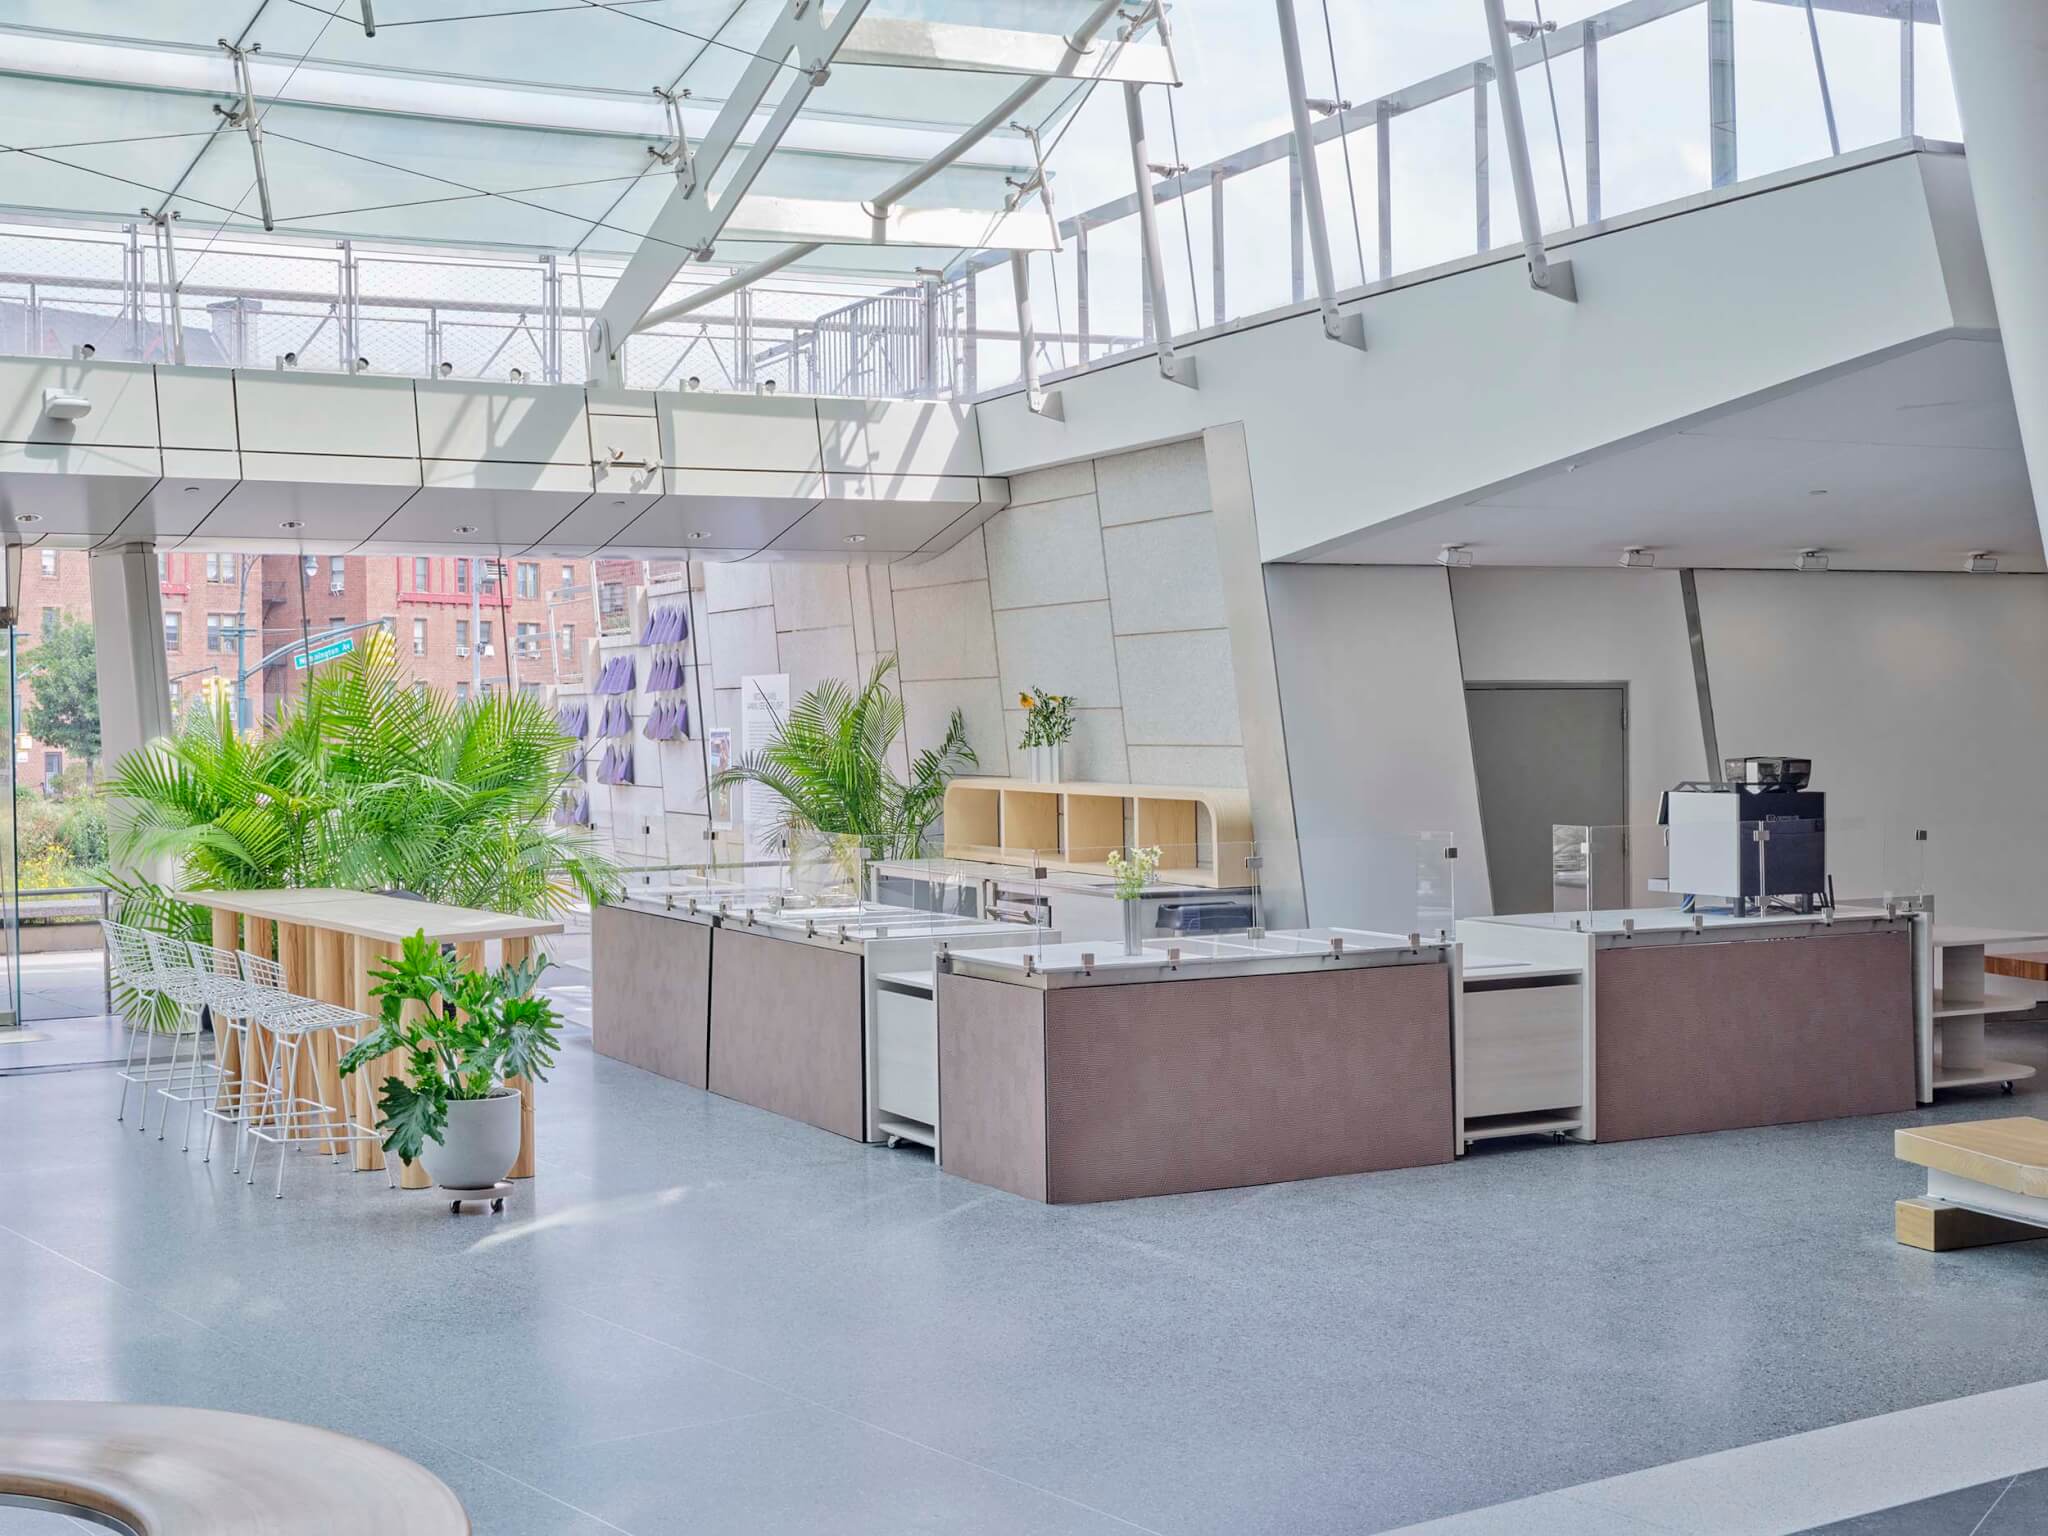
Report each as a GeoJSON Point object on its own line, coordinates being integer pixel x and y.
{"type": "Point", "coordinates": [651, 1006]}
{"type": "Point", "coordinates": [1074, 1094]}
{"type": "Point", "coordinates": [786, 1029]}
{"type": "Point", "coordinates": [1713, 1037]}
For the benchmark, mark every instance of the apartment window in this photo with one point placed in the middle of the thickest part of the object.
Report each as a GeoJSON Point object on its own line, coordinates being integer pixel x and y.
{"type": "Point", "coordinates": [487, 576]}
{"type": "Point", "coordinates": [163, 570]}
{"type": "Point", "coordinates": [568, 639]}
{"type": "Point", "coordinates": [51, 618]}
{"type": "Point", "coordinates": [337, 581]}
{"type": "Point", "coordinates": [529, 639]}
{"type": "Point", "coordinates": [419, 637]}
{"type": "Point", "coordinates": [53, 769]}
{"type": "Point", "coordinates": [174, 632]}
{"type": "Point", "coordinates": [461, 636]}
{"type": "Point", "coordinates": [487, 689]}
{"type": "Point", "coordinates": [462, 693]}
{"type": "Point", "coordinates": [220, 568]}
{"type": "Point", "coordinates": [568, 575]}
{"type": "Point", "coordinates": [309, 566]}
{"type": "Point", "coordinates": [49, 562]}
{"type": "Point", "coordinates": [529, 579]}
{"type": "Point", "coordinates": [215, 623]}
{"type": "Point", "coordinates": [422, 574]}
{"type": "Point", "coordinates": [483, 633]}
{"type": "Point", "coordinates": [337, 620]}
{"type": "Point", "coordinates": [177, 691]}
{"type": "Point", "coordinates": [462, 575]}
{"type": "Point", "coordinates": [529, 690]}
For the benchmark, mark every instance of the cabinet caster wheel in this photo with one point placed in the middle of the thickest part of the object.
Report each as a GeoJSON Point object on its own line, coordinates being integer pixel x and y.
{"type": "Point", "coordinates": [895, 1142]}
{"type": "Point", "coordinates": [2006, 1087]}
{"type": "Point", "coordinates": [454, 1207]}
{"type": "Point", "coordinates": [498, 1206]}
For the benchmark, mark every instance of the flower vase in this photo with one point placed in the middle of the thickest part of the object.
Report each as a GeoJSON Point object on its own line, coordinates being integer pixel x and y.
{"type": "Point", "coordinates": [1134, 934]}
{"type": "Point", "coordinates": [1045, 764]}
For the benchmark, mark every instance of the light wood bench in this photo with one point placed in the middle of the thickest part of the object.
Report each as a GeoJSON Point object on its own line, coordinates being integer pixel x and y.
{"type": "Point", "coordinates": [187, 1471]}
{"type": "Point", "coordinates": [1987, 1182]}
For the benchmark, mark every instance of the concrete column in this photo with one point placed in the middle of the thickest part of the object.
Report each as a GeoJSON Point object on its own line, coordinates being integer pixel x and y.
{"type": "Point", "coordinates": [1998, 56]}
{"type": "Point", "coordinates": [128, 631]}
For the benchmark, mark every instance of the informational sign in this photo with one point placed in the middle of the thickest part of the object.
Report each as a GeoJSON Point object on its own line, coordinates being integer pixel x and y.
{"type": "Point", "coordinates": [327, 652]}
{"type": "Point", "coordinates": [764, 705]}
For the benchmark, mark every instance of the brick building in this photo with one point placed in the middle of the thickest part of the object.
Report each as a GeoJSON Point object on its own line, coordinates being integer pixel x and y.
{"type": "Point", "coordinates": [202, 596]}
{"type": "Point", "coordinates": [458, 622]}
{"type": "Point", "coordinates": [209, 599]}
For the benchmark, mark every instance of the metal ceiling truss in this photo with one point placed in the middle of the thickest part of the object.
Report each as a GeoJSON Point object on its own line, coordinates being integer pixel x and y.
{"type": "Point", "coordinates": [882, 221]}
{"type": "Point", "coordinates": [691, 220]}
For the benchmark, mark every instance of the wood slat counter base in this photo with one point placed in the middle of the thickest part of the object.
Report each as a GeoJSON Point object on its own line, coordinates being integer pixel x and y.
{"type": "Point", "coordinates": [330, 943]}
{"type": "Point", "coordinates": [1987, 1182]}
{"type": "Point", "coordinates": [193, 1472]}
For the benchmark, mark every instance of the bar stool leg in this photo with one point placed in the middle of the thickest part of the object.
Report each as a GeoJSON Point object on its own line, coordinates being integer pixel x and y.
{"type": "Point", "coordinates": [276, 1055]}
{"type": "Point", "coordinates": [192, 1097]}
{"type": "Point", "coordinates": [148, 1061]}
{"type": "Point", "coordinates": [291, 1114]}
{"type": "Point", "coordinates": [127, 1073]}
{"type": "Point", "coordinates": [170, 1084]}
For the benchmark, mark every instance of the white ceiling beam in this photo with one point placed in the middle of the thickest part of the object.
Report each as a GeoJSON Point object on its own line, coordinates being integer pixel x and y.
{"type": "Point", "coordinates": [636, 114]}
{"type": "Point", "coordinates": [693, 217]}
{"type": "Point", "coordinates": [820, 222]}
{"type": "Point", "coordinates": [994, 50]}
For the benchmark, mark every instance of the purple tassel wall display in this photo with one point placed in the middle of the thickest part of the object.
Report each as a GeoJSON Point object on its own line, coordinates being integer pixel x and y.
{"type": "Point", "coordinates": [618, 718]}
{"type": "Point", "coordinates": [575, 721]}
{"type": "Point", "coordinates": [666, 625]}
{"type": "Point", "coordinates": [617, 676]}
{"type": "Point", "coordinates": [669, 722]}
{"type": "Point", "coordinates": [617, 767]}
{"type": "Point", "coordinates": [666, 673]}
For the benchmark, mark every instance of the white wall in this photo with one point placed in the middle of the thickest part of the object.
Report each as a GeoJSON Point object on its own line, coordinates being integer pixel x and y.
{"type": "Point", "coordinates": [1559, 626]}
{"type": "Point", "coordinates": [1100, 580]}
{"type": "Point", "coordinates": [1923, 702]}
{"type": "Point", "coordinates": [1378, 748]}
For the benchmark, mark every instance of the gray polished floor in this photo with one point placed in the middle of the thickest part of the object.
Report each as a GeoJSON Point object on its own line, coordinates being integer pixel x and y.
{"type": "Point", "coordinates": [701, 1318]}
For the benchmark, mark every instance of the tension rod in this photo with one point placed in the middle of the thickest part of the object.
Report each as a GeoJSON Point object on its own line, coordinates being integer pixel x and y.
{"type": "Point", "coordinates": [245, 118]}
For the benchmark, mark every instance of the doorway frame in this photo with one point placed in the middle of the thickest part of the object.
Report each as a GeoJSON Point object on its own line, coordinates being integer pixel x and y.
{"type": "Point", "coordinates": [1525, 684]}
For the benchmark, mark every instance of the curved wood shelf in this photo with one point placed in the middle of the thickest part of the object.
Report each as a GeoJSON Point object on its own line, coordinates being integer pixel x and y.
{"type": "Point", "coordinates": [1071, 826]}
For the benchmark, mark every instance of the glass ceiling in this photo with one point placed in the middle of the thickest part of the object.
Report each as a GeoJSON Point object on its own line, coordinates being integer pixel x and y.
{"type": "Point", "coordinates": [476, 124]}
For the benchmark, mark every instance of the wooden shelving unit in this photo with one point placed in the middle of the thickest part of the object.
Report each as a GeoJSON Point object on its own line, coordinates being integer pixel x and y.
{"type": "Point", "coordinates": [1206, 834]}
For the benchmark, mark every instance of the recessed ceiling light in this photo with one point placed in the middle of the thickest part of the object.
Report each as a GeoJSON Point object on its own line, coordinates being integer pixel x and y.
{"type": "Point", "coordinates": [465, 528]}
{"type": "Point", "coordinates": [190, 489]}
{"type": "Point", "coordinates": [291, 525]}
{"type": "Point", "coordinates": [618, 503]}
{"type": "Point", "coordinates": [1817, 493]}
{"type": "Point", "coordinates": [1637, 558]}
{"type": "Point", "coordinates": [699, 533]}
{"type": "Point", "coordinates": [856, 538]}
{"type": "Point", "coordinates": [28, 517]}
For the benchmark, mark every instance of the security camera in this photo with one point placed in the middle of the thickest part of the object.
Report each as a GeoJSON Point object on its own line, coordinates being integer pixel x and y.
{"type": "Point", "coordinates": [362, 365]}
{"type": "Point", "coordinates": [86, 352]}
{"type": "Point", "coordinates": [693, 383]}
{"type": "Point", "coordinates": [63, 405]}
{"type": "Point", "coordinates": [289, 360]}
{"type": "Point", "coordinates": [447, 370]}
{"type": "Point", "coordinates": [767, 386]}
{"type": "Point", "coordinates": [518, 375]}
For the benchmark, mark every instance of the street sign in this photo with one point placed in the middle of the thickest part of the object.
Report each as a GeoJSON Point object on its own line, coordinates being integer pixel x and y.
{"type": "Point", "coordinates": [327, 652]}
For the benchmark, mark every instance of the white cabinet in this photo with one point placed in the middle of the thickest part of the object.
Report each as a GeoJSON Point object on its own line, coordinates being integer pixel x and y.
{"type": "Point", "coordinates": [906, 1056]}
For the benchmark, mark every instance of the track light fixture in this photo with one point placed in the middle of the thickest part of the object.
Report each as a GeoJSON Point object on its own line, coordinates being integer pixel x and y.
{"type": "Point", "coordinates": [1637, 558]}
{"type": "Point", "coordinates": [1981, 563]}
{"type": "Point", "coordinates": [1454, 557]}
{"type": "Point", "coordinates": [1812, 560]}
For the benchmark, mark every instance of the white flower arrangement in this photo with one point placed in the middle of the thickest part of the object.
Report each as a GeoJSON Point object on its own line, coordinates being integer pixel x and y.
{"type": "Point", "coordinates": [1133, 874]}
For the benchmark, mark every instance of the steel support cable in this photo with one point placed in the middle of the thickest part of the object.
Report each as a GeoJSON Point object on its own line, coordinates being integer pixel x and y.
{"type": "Point", "coordinates": [1187, 237]}
{"type": "Point", "coordinates": [1820, 70]}
{"type": "Point", "coordinates": [1343, 141]}
{"type": "Point", "coordinates": [1571, 217]}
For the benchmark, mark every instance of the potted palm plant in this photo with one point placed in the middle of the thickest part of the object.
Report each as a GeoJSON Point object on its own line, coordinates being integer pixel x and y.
{"type": "Point", "coordinates": [462, 1033]}
{"type": "Point", "coordinates": [828, 766]}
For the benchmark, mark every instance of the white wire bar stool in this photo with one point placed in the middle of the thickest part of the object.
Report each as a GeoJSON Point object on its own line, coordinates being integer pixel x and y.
{"type": "Point", "coordinates": [133, 963]}
{"type": "Point", "coordinates": [232, 1005]}
{"type": "Point", "coordinates": [286, 1113]}
{"type": "Point", "coordinates": [180, 983]}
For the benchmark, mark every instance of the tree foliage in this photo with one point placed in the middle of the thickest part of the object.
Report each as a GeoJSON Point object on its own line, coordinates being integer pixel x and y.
{"type": "Point", "coordinates": [62, 673]}
{"type": "Point", "coordinates": [828, 766]}
{"type": "Point", "coordinates": [367, 783]}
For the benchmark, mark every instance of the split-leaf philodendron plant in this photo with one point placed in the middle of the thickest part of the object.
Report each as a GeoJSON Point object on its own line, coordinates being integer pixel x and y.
{"type": "Point", "coordinates": [471, 1031]}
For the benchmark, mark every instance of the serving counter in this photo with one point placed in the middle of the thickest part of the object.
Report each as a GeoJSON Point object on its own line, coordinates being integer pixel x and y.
{"type": "Point", "coordinates": [1070, 1073]}
{"type": "Point", "coordinates": [650, 1000]}
{"type": "Point", "coordinates": [1709, 1022]}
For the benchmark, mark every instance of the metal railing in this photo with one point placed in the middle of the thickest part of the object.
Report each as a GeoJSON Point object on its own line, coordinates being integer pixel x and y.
{"type": "Point", "coordinates": [93, 902]}
{"type": "Point", "coordinates": [429, 313]}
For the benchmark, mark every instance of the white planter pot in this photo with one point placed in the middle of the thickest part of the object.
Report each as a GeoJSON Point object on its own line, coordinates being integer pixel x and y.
{"type": "Point", "coordinates": [479, 1145]}
{"type": "Point", "coordinates": [1045, 765]}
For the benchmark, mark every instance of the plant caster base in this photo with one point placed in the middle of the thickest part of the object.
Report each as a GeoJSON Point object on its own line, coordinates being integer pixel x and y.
{"type": "Point", "coordinates": [494, 1194]}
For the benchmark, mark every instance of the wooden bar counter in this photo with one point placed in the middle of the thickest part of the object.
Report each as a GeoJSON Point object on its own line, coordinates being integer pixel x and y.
{"type": "Point", "coordinates": [329, 942]}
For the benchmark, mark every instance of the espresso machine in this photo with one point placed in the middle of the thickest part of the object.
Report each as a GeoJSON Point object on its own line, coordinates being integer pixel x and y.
{"type": "Point", "coordinates": [1753, 840]}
